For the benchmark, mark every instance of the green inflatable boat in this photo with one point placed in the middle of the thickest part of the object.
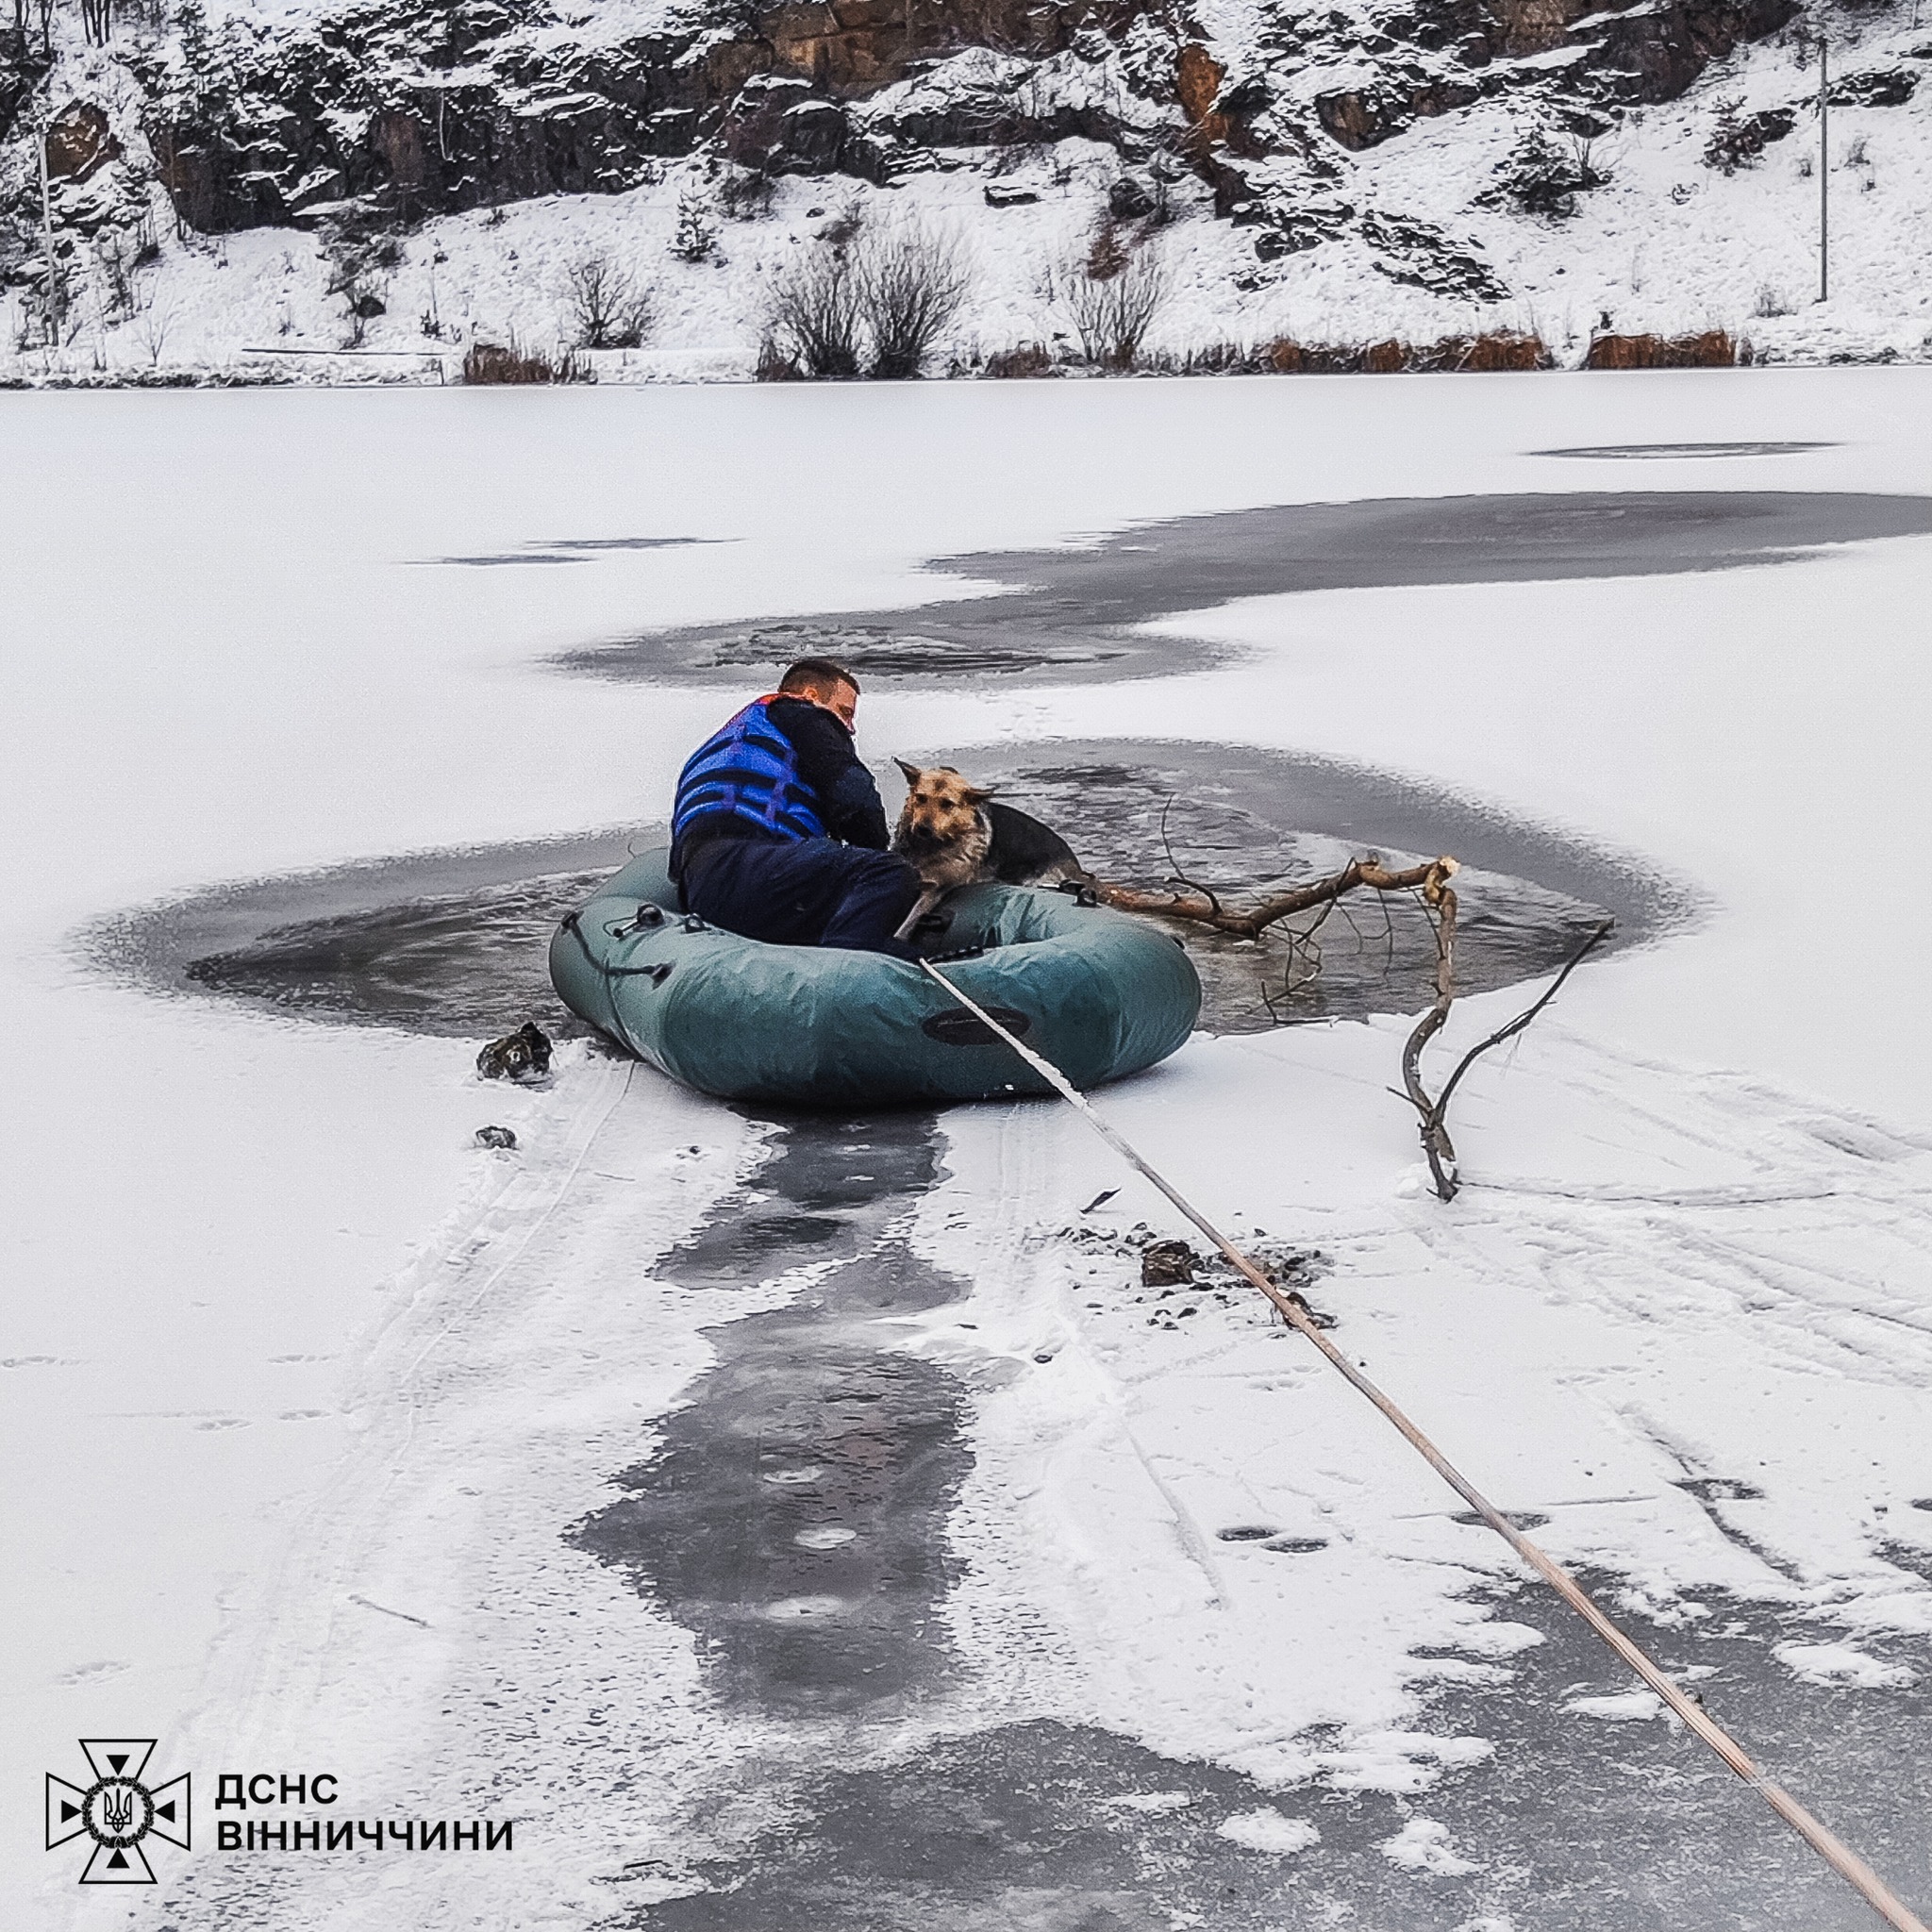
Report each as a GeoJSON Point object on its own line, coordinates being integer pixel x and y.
{"type": "Point", "coordinates": [1099, 993]}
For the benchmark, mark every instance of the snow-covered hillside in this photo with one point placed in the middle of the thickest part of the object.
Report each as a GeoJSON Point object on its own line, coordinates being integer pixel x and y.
{"type": "Point", "coordinates": [363, 190]}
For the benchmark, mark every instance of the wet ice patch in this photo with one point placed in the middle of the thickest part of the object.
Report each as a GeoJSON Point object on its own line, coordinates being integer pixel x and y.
{"type": "Point", "coordinates": [1423, 1845]}
{"type": "Point", "coordinates": [1840, 1663]}
{"type": "Point", "coordinates": [1266, 1830]}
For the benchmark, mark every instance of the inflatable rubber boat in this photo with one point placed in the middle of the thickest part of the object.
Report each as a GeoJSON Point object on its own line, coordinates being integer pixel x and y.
{"type": "Point", "coordinates": [1100, 994]}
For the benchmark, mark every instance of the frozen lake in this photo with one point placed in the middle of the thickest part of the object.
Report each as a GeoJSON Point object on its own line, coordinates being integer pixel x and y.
{"type": "Point", "coordinates": [792, 1520]}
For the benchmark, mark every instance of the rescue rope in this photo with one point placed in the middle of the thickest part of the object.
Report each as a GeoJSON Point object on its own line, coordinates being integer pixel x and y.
{"type": "Point", "coordinates": [1826, 1844]}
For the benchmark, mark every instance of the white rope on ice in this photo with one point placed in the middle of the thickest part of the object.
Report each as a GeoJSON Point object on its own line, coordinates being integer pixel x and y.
{"type": "Point", "coordinates": [1825, 1843]}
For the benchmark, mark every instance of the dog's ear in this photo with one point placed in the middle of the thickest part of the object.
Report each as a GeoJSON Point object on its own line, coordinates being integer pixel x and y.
{"type": "Point", "coordinates": [978, 794]}
{"type": "Point", "coordinates": [913, 773]}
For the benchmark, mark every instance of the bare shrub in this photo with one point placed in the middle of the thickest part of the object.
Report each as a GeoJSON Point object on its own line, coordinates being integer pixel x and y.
{"type": "Point", "coordinates": [607, 308]}
{"type": "Point", "coordinates": [814, 313]}
{"type": "Point", "coordinates": [1111, 316]}
{"type": "Point", "coordinates": [746, 193]}
{"type": "Point", "coordinates": [1493, 352]}
{"type": "Point", "coordinates": [1499, 350]}
{"type": "Point", "coordinates": [495, 362]}
{"type": "Point", "coordinates": [1217, 359]}
{"type": "Point", "coordinates": [151, 325]}
{"type": "Point", "coordinates": [1715, 348]}
{"type": "Point", "coordinates": [1772, 300]}
{"type": "Point", "coordinates": [1204, 358]}
{"type": "Point", "coordinates": [121, 260]}
{"type": "Point", "coordinates": [775, 365]}
{"type": "Point", "coordinates": [910, 283]}
{"type": "Point", "coordinates": [1110, 251]}
{"type": "Point", "coordinates": [1022, 359]}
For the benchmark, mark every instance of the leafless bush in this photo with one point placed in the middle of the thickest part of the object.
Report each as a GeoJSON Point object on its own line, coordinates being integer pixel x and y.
{"type": "Point", "coordinates": [1022, 359]}
{"type": "Point", "coordinates": [494, 362]}
{"type": "Point", "coordinates": [1110, 251]}
{"type": "Point", "coordinates": [1715, 348]}
{"type": "Point", "coordinates": [1111, 316]}
{"type": "Point", "coordinates": [814, 313]}
{"type": "Point", "coordinates": [121, 291]}
{"type": "Point", "coordinates": [607, 308]}
{"type": "Point", "coordinates": [910, 284]}
{"type": "Point", "coordinates": [774, 364]}
{"type": "Point", "coordinates": [1772, 300]}
{"type": "Point", "coordinates": [151, 325]}
{"type": "Point", "coordinates": [745, 193]}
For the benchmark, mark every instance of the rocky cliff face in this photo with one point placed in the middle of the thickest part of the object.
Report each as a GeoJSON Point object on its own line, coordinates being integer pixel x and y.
{"type": "Point", "coordinates": [378, 114]}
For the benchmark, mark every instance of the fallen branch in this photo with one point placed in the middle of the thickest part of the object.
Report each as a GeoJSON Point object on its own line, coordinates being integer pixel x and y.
{"type": "Point", "coordinates": [1433, 1125]}
{"type": "Point", "coordinates": [1430, 883]}
{"type": "Point", "coordinates": [1205, 908]}
{"type": "Point", "coordinates": [1435, 1132]}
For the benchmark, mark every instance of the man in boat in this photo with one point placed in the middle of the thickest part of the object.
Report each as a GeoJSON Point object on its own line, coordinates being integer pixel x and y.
{"type": "Point", "coordinates": [778, 833]}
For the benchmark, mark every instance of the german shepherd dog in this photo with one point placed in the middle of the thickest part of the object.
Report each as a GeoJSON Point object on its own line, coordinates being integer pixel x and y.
{"type": "Point", "coordinates": [956, 833]}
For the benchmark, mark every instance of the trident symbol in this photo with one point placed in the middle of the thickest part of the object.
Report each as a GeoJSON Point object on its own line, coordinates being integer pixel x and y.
{"type": "Point", "coordinates": [117, 1807]}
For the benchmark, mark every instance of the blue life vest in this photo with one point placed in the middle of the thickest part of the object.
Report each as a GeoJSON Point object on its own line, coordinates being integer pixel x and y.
{"type": "Point", "coordinates": [749, 770]}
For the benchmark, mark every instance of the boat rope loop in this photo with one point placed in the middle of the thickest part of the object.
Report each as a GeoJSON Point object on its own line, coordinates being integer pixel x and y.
{"type": "Point", "coordinates": [656, 972]}
{"type": "Point", "coordinates": [1826, 1844]}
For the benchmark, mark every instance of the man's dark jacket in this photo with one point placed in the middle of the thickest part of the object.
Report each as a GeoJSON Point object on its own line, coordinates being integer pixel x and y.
{"type": "Point", "coordinates": [825, 774]}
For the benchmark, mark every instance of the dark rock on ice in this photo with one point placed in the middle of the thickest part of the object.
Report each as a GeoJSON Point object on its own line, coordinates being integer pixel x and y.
{"type": "Point", "coordinates": [1167, 1264]}
{"type": "Point", "coordinates": [524, 1055]}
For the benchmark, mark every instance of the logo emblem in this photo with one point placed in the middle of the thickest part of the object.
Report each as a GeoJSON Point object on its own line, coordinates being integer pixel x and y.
{"type": "Point", "coordinates": [117, 1810]}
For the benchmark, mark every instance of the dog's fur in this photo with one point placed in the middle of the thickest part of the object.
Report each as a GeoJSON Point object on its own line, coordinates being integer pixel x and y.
{"type": "Point", "coordinates": [956, 833]}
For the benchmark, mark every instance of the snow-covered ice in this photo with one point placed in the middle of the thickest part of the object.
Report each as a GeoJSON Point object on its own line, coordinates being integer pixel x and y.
{"type": "Point", "coordinates": [303, 1389]}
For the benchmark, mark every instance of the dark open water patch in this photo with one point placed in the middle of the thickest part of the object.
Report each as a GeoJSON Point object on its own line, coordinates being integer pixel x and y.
{"type": "Point", "coordinates": [1574, 1824]}
{"type": "Point", "coordinates": [1663, 452]}
{"type": "Point", "coordinates": [455, 944]}
{"type": "Point", "coordinates": [1571, 1824]}
{"type": "Point", "coordinates": [572, 550]}
{"type": "Point", "coordinates": [793, 1515]}
{"type": "Point", "coordinates": [1066, 616]}
{"type": "Point", "coordinates": [1244, 822]}
{"type": "Point", "coordinates": [451, 942]}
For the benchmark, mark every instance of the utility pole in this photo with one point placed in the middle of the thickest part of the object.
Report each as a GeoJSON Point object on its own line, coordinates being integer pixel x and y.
{"type": "Point", "coordinates": [1824, 170]}
{"type": "Point", "coordinates": [47, 239]}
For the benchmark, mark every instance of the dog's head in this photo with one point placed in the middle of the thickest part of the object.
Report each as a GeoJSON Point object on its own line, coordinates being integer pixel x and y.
{"type": "Point", "coordinates": [941, 809]}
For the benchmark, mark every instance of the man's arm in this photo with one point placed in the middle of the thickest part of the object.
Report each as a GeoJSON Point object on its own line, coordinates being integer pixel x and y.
{"type": "Point", "coordinates": [848, 799]}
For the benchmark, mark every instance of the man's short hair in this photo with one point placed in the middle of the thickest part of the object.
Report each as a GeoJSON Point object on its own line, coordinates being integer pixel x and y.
{"type": "Point", "coordinates": [815, 673]}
